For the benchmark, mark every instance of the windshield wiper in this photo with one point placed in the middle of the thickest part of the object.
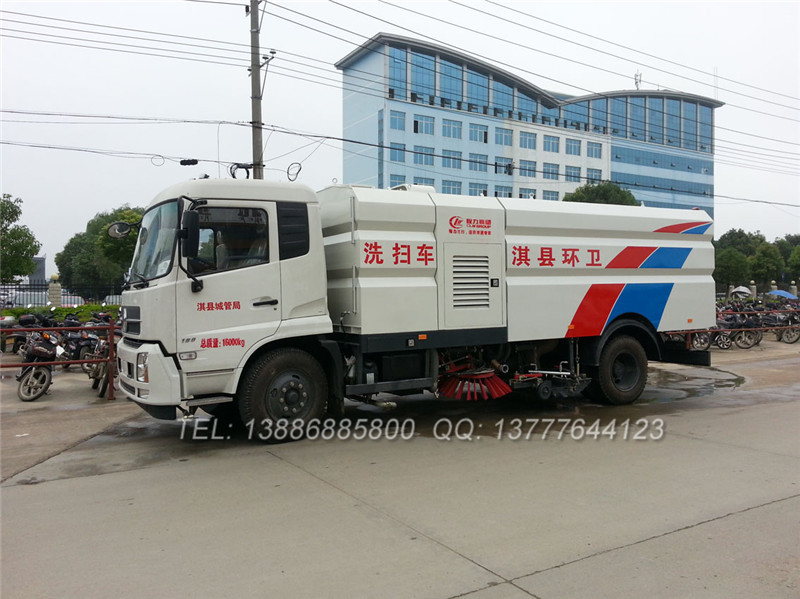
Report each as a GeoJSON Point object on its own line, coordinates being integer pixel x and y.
{"type": "Point", "coordinates": [141, 284]}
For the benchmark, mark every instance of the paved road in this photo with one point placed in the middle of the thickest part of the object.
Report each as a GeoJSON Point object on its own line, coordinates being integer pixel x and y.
{"type": "Point", "coordinates": [99, 499]}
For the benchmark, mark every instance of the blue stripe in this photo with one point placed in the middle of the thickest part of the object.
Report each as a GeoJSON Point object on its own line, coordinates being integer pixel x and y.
{"type": "Point", "coordinates": [667, 258]}
{"type": "Point", "coordinates": [697, 230]}
{"type": "Point", "coordinates": [647, 299]}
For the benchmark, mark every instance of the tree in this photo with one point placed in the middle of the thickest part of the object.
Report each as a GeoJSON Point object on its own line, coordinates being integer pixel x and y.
{"type": "Point", "coordinates": [602, 193]}
{"type": "Point", "coordinates": [766, 264]}
{"type": "Point", "coordinates": [745, 242]}
{"type": "Point", "coordinates": [793, 264]}
{"type": "Point", "coordinates": [92, 259]}
{"type": "Point", "coordinates": [18, 245]}
{"type": "Point", "coordinates": [732, 268]}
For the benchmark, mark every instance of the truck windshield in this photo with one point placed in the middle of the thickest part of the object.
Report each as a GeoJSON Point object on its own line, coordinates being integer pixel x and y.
{"type": "Point", "coordinates": [156, 243]}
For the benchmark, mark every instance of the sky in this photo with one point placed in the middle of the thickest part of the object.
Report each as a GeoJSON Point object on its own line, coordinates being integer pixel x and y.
{"type": "Point", "coordinates": [100, 100]}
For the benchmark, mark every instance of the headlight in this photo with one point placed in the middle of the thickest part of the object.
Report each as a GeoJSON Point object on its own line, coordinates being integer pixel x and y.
{"type": "Point", "coordinates": [141, 368]}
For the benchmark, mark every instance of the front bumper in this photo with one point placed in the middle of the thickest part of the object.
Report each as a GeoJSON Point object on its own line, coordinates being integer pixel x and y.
{"type": "Point", "coordinates": [147, 376]}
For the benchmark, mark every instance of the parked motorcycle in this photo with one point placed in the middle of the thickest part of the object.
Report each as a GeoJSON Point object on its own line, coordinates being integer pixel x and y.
{"type": "Point", "coordinates": [78, 344]}
{"type": "Point", "coordinates": [40, 350]}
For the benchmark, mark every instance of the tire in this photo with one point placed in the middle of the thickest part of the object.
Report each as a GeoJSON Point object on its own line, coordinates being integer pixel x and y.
{"type": "Point", "coordinates": [622, 373]}
{"type": "Point", "coordinates": [34, 383]}
{"type": "Point", "coordinates": [84, 355]}
{"type": "Point", "coordinates": [745, 339]}
{"type": "Point", "coordinates": [791, 335]}
{"type": "Point", "coordinates": [103, 383]}
{"type": "Point", "coordinates": [285, 384]}
{"type": "Point", "coordinates": [701, 341]}
{"type": "Point", "coordinates": [544, 391]}
{"type": "Point", "coordinates": [97, 374]}
{"type": "Point", "coordinates": [723, 341]}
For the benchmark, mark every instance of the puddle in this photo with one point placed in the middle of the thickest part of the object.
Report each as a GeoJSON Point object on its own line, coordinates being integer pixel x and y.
{"type": "Point", "coordinates": [665, 386]}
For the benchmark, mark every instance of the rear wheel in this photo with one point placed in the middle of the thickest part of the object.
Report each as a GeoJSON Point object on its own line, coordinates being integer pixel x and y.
{"type": "Point", "coordinates": [280, 394]}
{"type": "Point", "coordinates": [622, 373]}
{"type": "Point", "coordinates": [34, 383]}
{"type": "Point", "coordinates": [701, 341]}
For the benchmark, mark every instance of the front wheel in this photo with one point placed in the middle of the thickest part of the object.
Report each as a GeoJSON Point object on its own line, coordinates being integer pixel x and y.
{"type": "Point", "coordinates": [622, 373]}
{"type": "Point", "coordinates": [745, 339]}
{"type": "Point", "coordinates": [34, 383]}
{"type": "Point", "coordinates": [791, 335]}
{"type": "Point", "coordinates": [281, 393]}
{"type": "Point", "coordinates": [85, 351]}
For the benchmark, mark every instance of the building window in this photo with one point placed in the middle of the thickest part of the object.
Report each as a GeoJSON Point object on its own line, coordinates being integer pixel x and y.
{"type": "Point", "coordinates": [397, 152]}
{"type": "Point", "coordinates": [451, 128]}
{"type": "Point", "coordinates": [550, 171]}
{"type": "Point", "coordinates": [423, 124]}
{"type": "Point", "coordinates": [593, 175]}
{"type": "Point", "coordinates": [503, 166]}
{"type": "Point", "coordinates": [503, 191]}
{"type": "Point", "coordinates": [397, 120]}
{"type": "Point", "coordinates": [550, 143]}
{"type": "Point", "coordinates": [453, 187]}
{"type": "Point", "coordinates": [423, 181]}
{"type": "Point", "coordinates": [395, 180]}
{"type": "Point", "coordinates": [527, 193]}
{"type": "Point", "coordinates": [451, 81]}
{"type": "Point", "coordinates": [479, 133]}
{"type": "Point", "coordinates": [527, 140]}
{"type": "Point", "coordinates": [572, 174]}
{"type": "Point", "coordinates": [527, 168]}
{"type": "Point", "coordinates": [478, 162]}
{"type": "Point", "coordinates": [574, 147]}
{"type": "Point", "coordinates": [451, 159]}
{"type": "Point", "coordinates": [423, 155]}
{"type": "Point", "coordinates": [397, 73]}
{"type": "Point", "coordinates": [551, 196]}
{"type": "Point", "coordinates": [502, 137]}
{"type": "Point", "coordinates": [478, 189]}
{"type": "Point", "coordinates": [423, 76]}
{"type": "Point", "coordinates": [594, 150]}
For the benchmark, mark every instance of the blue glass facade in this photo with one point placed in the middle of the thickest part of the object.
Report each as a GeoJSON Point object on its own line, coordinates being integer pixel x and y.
{"type": "Point", "coordinates": [657, 143]}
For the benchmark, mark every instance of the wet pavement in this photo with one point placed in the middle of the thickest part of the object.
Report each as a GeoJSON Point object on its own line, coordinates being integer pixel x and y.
{"type": "Point", "coordinates": [527, 504]}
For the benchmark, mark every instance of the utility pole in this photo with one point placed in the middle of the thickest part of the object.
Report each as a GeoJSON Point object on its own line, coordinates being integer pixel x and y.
{"type": "Point", "coordinates": [255, 92]}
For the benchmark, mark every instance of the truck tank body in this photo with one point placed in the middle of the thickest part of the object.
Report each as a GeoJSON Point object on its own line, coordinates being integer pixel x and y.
{"type": "Point", "coordinates": [418, 261]}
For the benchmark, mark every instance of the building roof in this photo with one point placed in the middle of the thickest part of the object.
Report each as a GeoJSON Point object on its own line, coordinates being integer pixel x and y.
{"type": "Point", "coordinates": [374, 44]}
{"type": "Point", "coordinates": [549, 99]}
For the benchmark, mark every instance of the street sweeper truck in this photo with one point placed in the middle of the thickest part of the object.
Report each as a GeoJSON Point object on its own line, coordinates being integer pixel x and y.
{"type": "Point", "coordinates": [267, 302]}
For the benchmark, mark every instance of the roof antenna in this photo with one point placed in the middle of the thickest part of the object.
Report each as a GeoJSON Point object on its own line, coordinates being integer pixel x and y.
{"type": "Point", "coordinates": [637, 79]}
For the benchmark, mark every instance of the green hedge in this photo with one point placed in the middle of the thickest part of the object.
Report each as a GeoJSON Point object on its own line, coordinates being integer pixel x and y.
{"type": "Point", "coordinates": [84, 313]}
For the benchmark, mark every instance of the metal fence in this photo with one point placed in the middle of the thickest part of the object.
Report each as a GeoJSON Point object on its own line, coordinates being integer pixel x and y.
{"type": "Point", "coordinates": [46, 293]}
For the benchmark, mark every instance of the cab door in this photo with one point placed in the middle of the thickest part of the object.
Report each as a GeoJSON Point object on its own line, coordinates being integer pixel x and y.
{"type": "Point", "coordinates": [239, 304]}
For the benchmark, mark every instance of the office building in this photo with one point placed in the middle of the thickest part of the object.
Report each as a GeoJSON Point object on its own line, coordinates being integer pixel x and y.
{"type": "Point", "coordinates": [416, 112]}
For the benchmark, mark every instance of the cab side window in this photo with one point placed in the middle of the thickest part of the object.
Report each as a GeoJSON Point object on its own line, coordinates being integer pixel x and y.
{"type": "Point", "coordinates": [230, 238]}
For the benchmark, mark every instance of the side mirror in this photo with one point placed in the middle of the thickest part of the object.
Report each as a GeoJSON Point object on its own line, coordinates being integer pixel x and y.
{"type": "Point", "coordinates": [119, 230]}
{"type": "Point", "coordinates": [191, 233]}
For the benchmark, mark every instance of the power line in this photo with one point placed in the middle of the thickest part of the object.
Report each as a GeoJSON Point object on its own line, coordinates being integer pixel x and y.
{"type": "Point", "coordinates": [461, 51]}
{"type": "Point", "coordinates": [290, 70]}
{"type": "Point", "coordinates": [335, 82]}
{"type": "Point", "coordinates": [638, 51]}
{"type": "Point", "coordinates": [244, 46]}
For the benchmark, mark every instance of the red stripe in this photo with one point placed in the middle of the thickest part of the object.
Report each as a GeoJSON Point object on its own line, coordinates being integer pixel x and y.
{"type": "Point", "coordinates": [631, 257]}
{"type": "Point", "coordinates": [680, 227]}
{"type": "Point", "coordinates": [591, 315]}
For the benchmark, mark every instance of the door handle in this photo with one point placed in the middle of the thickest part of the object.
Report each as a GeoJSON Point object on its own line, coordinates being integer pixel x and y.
{"type": "Point", "coordinates": [272, 302]}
